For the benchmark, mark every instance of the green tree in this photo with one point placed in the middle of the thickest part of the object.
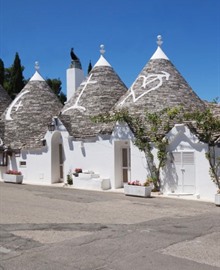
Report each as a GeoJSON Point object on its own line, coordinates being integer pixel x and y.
{"type": "Point", "coordinates": [55, 85]}
{"type": "Point", "coordinates": [13, 81]}
{"type": "Point", "coordinates": [89, 67]}
{"type": "Point", "coordinates": [16, 77]}
{"type": "Point", "coordinates": [7, 80]}
{"type": "Point", "coordinates": [2, 72]}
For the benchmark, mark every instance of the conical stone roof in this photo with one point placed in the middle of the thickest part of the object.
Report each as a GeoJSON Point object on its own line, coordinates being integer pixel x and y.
{"type": "Point", "coordinates": [5, 100]}
{"type": "Point", "coordinates": [158, 86]}
{"type": "Point", "coordinates": [214, 107]}
{"type": "Point", "coordinates": [27, 117]}
{"type": "Point", "coordinates": [97, 94]}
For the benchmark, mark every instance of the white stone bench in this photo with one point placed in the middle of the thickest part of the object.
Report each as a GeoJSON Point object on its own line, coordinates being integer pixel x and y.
{"type": "Point", "coordinates": [91, 181]}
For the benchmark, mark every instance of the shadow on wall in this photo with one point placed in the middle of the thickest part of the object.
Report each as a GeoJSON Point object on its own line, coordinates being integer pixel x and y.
{"type": "Point", "coordinates": [170, 177]}
{"type": "Point", "coordinates": [38, 152]}
{"type": "Point", "coordinates": [122, 131]}
{"type": "Point", "coordinates": [70, 142]}
{"type": "Point", "coordinates": [83, 150]}
{"type": "Point", "coordinates": [185, 140]}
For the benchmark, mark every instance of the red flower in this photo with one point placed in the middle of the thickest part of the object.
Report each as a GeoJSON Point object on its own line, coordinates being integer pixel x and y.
{"type": "Point", "coordinates": [135, 183]}
{"type": "Point", "coordinates": [13, 172]}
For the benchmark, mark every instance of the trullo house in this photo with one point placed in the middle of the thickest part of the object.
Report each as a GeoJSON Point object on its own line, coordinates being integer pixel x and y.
{"type": "Point", "coordinates": [158, 86]}
{"type": "Point", "coordinates": [26, 133]}
{"type": "Point", "coordinates": [88, 145]}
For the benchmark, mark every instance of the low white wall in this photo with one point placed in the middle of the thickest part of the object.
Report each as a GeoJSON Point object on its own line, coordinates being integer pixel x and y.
{"type": "Point", "coordinates": [38, 163]}
{"type": "Point", "coordinates": [37, 169]}
{"type": "Point", "coordinates": [96, 156]}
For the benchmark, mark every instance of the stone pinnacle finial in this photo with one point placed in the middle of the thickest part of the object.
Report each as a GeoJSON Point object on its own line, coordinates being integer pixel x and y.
{"type": "Point", "coordinates": [102, 49]}
{"type": "Point", "coordinates": [36, 66]}
{"type": "Point", "coordinates": [159, 40]}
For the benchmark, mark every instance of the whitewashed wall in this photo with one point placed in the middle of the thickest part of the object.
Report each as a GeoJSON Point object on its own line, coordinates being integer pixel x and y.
{"type": "Point", "coordinates": [38, 164]}
{"type": "Point", "coordinates": [96, 156]}
{"type": "Point", "coordinates": [139, 170]}
{"type": "Point", "coordinates": [37, 169]}
{"type": "Point", "coordinates": [100, 155]}
{"type": "Point", "coordinates": [181, 139]}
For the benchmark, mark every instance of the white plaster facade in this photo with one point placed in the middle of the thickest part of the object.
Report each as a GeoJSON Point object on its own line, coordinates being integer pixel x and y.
{"type": "Point", "coordinates": [190, 175]}
{"type": "Point", "coordinates": [114, 157]}
{"type": "Point", "coordinates": [104, 156]}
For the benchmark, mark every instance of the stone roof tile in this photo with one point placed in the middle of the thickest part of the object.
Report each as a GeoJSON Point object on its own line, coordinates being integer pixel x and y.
{"type": "Point", "coordinates": [159, 85]}
{"type": "Point", "coordinates": [28, 115]}
{"type": "Point", "coordinates": [97, 94]}
{"type": "Point", "coordinates": [5, 100]}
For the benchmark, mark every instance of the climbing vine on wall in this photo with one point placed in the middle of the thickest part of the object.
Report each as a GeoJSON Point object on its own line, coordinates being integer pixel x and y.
{"type": "Point", "coordinates": [149, 132]}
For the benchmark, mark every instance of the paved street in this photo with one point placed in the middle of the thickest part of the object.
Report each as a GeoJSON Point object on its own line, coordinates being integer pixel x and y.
{"type": "Point", "coordinates": [63, 228]}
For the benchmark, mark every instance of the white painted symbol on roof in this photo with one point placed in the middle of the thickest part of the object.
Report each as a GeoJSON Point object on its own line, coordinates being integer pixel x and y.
{"type": "Point", "coordinates": [146, 80]}
{"type": "Point", "coordinates": [17, 106]}
{"type": "Point", "coordinates": [13, 104]}
{"type": "Point", "coordinates": [76, 106]}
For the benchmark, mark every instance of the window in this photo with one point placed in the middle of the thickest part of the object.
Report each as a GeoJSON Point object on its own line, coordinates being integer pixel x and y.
{"type": "Point", "coordinates": [22, 164]}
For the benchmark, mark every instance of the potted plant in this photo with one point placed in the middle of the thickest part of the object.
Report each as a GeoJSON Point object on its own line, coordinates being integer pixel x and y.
{"type": "Point", "coordinates": [135, 188]}
{"type": "Point", "coordinates": [77, 171]}
{"type": "Point", "coordinates": [69, 178]}
{"type": "Point", "coordinates": [13, 176]}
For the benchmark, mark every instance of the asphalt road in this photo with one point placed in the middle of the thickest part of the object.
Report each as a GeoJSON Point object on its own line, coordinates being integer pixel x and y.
{"type": "Point", "coordinates": [61, 228]}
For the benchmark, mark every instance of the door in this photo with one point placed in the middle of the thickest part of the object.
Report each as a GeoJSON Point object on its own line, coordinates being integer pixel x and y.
{"type": "Point", "coordinates": [57, 158]}
{"type": "Point", "coordinates": [185, 172]}
{"type": "Point", "coordinates": [126, 164]}
{"type": "Point", "coordinates": [61, 161]}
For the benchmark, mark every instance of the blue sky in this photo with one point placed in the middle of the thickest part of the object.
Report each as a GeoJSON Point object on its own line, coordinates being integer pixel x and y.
{"type": "Point", "coordinates": [45, 31]}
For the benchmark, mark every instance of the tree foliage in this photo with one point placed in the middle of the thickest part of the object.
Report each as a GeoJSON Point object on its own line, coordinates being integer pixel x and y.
{"type": "Point", "coordinates": [17, 79]}
{"type": "Point", "coordinates": [2, 72]}
{"type": "Point", "coordinates": [89, 67]}
{"type": "Point", "coordinates": [12, 78]}
{"type": "Point", "coordinates": [13, 81]}
{"type": "Point", "coordinates": [149, 132]}
{"type": "Point", "coordinates": [55, 85]}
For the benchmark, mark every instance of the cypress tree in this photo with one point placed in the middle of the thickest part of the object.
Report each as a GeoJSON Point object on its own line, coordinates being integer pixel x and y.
{"type": "Point", "coordinates": [17, 79]}
{"type": "Point", "coordinates": [89, 67]}
{"type": "Point", "coordinates": [55, 85]}
{"type": "Point", "coordinates": [2, 72]}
